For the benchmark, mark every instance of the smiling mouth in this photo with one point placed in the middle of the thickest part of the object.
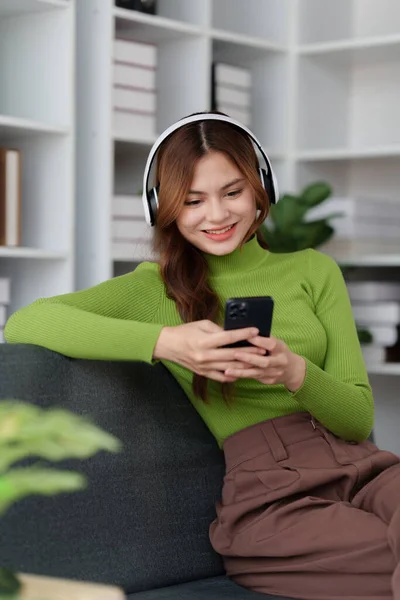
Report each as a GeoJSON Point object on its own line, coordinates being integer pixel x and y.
{"type": "Point", "coordinates": [218, 231]}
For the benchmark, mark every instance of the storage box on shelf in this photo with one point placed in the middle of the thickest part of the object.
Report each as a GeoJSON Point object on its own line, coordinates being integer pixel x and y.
{"type": "Point", "coordinates": [376, 307]}
{"type": "Point", "coordinates": [134, 91]}
{"type": "Point", "coordinates": [131, 236]}
{"type": "Point", "coordinates": [231, 91]}
{"type": "Point", "coordinates": [37, 47]}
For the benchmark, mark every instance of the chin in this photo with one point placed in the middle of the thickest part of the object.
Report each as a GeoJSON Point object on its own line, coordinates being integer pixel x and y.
{"type": "Point", "coordinates": [220, 248]}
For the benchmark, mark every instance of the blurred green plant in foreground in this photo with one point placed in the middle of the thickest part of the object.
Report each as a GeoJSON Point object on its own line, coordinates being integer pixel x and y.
{"type": "Point", "coordinates": [54, 434]}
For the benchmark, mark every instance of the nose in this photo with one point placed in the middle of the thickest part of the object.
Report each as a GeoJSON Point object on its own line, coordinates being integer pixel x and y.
{"type": "Point", "coordinates": [217, 211]}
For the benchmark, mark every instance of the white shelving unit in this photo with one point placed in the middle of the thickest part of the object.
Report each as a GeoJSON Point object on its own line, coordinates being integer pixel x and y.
{"type": "Point", "coordinates": [37, 98]}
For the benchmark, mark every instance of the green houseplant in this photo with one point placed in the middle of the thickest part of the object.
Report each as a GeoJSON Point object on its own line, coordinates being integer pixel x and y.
{"type": "Point", "coordinates": [288, 230]}
{"type": "Point", "coordinates": [50, 435]}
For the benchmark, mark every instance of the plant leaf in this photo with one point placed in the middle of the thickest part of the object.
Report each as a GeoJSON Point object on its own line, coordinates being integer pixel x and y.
{"type": "Point", "coordinates": [315, 194]}
{"type": "Point", "coordinates": [53, 434]}
{"type": "Point", "coordinates": [277, 241]}
{"type": "Point", "coordinates": [9, 583]}
{"type": "Point", "coordinates": [364, 335]}
{"type": "Point", "coordinates": [26, 481]}
{"type": "Point", "coordinates": [287, 212]}
{"type": "Point", "coordinates": [313, 234]}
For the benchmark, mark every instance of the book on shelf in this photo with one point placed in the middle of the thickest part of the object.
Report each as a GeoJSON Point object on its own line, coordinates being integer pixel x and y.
{"type": "Point", "coordinates": [373, 291]}
{"type": "Point", "coordinates": [10, 197]}
{"type": "Point", "coordinates": [134, 88]}
{"type": "Point", "coordinates": [131, 237]}
{"type": "Point", "coordinates": [360, 218]}
{"type": "Point", "coordinates": [231, 91]}
{"type": "Point", "coordinates": [376, 313]}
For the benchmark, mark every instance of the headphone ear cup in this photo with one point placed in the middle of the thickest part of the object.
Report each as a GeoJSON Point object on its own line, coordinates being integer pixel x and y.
{"type": "Point", "coordinates": [152, 199]}
{"type": "Point", "coordinates": [268, 185]}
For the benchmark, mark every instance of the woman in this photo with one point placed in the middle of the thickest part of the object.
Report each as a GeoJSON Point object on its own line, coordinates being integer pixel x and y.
{"type": "Point", "coordinates": [307, 504]}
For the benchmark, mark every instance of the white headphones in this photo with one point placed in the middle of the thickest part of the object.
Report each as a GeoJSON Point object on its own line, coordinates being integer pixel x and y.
{"type": "Point", "coordinates": [150, 197]}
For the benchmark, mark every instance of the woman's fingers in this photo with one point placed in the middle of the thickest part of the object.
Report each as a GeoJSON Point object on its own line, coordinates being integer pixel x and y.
{"type": "Point", "coordinates": [221, 376]}
{"type": "Point", "coordinates": [254, 373]}
{"type": "Point", "coordinates": [225, 338]}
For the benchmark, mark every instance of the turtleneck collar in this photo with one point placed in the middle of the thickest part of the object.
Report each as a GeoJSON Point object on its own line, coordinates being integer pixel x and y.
{"type": "Point", "coordinates": [244, 259]}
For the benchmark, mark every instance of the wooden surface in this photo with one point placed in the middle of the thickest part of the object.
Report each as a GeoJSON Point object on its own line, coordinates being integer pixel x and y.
{"type": "Point", "coordinates": [48, 588]}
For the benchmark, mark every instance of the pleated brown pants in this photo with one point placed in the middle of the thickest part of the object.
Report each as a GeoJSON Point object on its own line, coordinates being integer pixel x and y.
{"type": "Point", "coordinates": [307, 515]}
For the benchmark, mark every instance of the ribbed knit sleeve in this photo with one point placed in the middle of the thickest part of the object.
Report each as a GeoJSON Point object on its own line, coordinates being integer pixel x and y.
{"type": "Point", "coordinates": [339, 395]}
{"type": "Point", "coordinates": [115, 320]}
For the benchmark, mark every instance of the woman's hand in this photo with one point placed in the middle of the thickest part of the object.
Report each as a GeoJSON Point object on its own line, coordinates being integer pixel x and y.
{"type": "Point", "coordinates": [198, 347]}
{"type": "Point", "coordinates": [280, 366]}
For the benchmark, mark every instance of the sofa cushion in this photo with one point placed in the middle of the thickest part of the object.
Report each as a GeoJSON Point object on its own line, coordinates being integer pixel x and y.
{"type": "Point", "coordinates": [214, 588]}
{"type": "Point", "coordinates": [143, 521]}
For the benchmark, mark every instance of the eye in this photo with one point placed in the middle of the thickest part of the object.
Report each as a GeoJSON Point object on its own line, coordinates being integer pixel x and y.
{"type": "Point", "coordinates": [192, 202]}
{"type": "Point", "coordinates": [234, 193]}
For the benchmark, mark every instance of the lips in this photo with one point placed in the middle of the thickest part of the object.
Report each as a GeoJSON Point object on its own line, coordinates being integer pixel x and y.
{"type": "Point", "coordinates": [220, 230]}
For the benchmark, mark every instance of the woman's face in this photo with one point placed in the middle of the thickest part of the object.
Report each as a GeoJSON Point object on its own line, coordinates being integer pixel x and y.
{"type": "Point", "coordinates": [220, 207]}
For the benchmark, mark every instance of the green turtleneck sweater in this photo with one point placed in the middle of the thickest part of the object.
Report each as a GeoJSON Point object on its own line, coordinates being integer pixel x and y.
{"type": "Point", "coordinates": [121, 319]}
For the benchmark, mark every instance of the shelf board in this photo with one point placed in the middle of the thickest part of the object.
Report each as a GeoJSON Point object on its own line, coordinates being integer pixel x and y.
{"type": "Point", "coordinates": [34, 253]}
{"type": "Point", "coordinates": [240, 49]}
{"type": "Point", "coordinates": [385, 369]}
{"type": "Point", "coordinates": [15, 7]}
{"type": "Point", "coordinates": [151, 28]}
{"type": "Point", "coordinates": [14, 126]}
{"type": "Point", "coordinates": [135, 141]}
{"type": "Point", "coordinates": [328, 154]}
{"type": "Point", "coordinates": [361, 50]}
{"type": "Point", "coordinates": [364, 253]}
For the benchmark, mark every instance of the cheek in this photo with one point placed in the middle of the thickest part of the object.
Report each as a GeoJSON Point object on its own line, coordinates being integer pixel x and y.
{"type": "Point", "coordinates": [249, 207]}
{"type": "Point", "coordinates": [188, 220]}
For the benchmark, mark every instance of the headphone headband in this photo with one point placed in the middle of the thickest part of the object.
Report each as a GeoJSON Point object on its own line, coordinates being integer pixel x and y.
{"type": "Point", "coordinates": [196, 119]}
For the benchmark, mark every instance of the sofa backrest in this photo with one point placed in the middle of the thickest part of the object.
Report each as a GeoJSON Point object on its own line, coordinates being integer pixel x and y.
{"type": "Point", "coordinates": [143, 520]}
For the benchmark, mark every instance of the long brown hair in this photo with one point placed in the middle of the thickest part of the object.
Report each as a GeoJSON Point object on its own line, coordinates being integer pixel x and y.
{"type": "Point", "coordinates": [184, 268]}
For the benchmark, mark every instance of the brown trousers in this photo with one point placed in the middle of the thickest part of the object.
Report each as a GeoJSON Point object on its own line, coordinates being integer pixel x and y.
{"type": "Point", "coordinates": [307, 515]}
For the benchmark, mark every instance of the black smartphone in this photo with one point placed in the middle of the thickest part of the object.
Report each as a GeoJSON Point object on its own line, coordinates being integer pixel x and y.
{"type": "Point", "coordinates": [252, 311]}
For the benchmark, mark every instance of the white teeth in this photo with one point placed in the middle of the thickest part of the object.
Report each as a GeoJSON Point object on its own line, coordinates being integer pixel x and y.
{"type": "Point", "coordinates": [220, 230]}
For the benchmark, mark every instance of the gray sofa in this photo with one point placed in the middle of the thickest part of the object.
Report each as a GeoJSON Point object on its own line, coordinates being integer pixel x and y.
{"type": "Point", "coordinates": [143, 521]}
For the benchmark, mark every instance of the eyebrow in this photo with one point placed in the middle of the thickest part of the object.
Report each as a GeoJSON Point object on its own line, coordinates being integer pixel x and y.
{"type": "Point", "coordinates": [224, 187]}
